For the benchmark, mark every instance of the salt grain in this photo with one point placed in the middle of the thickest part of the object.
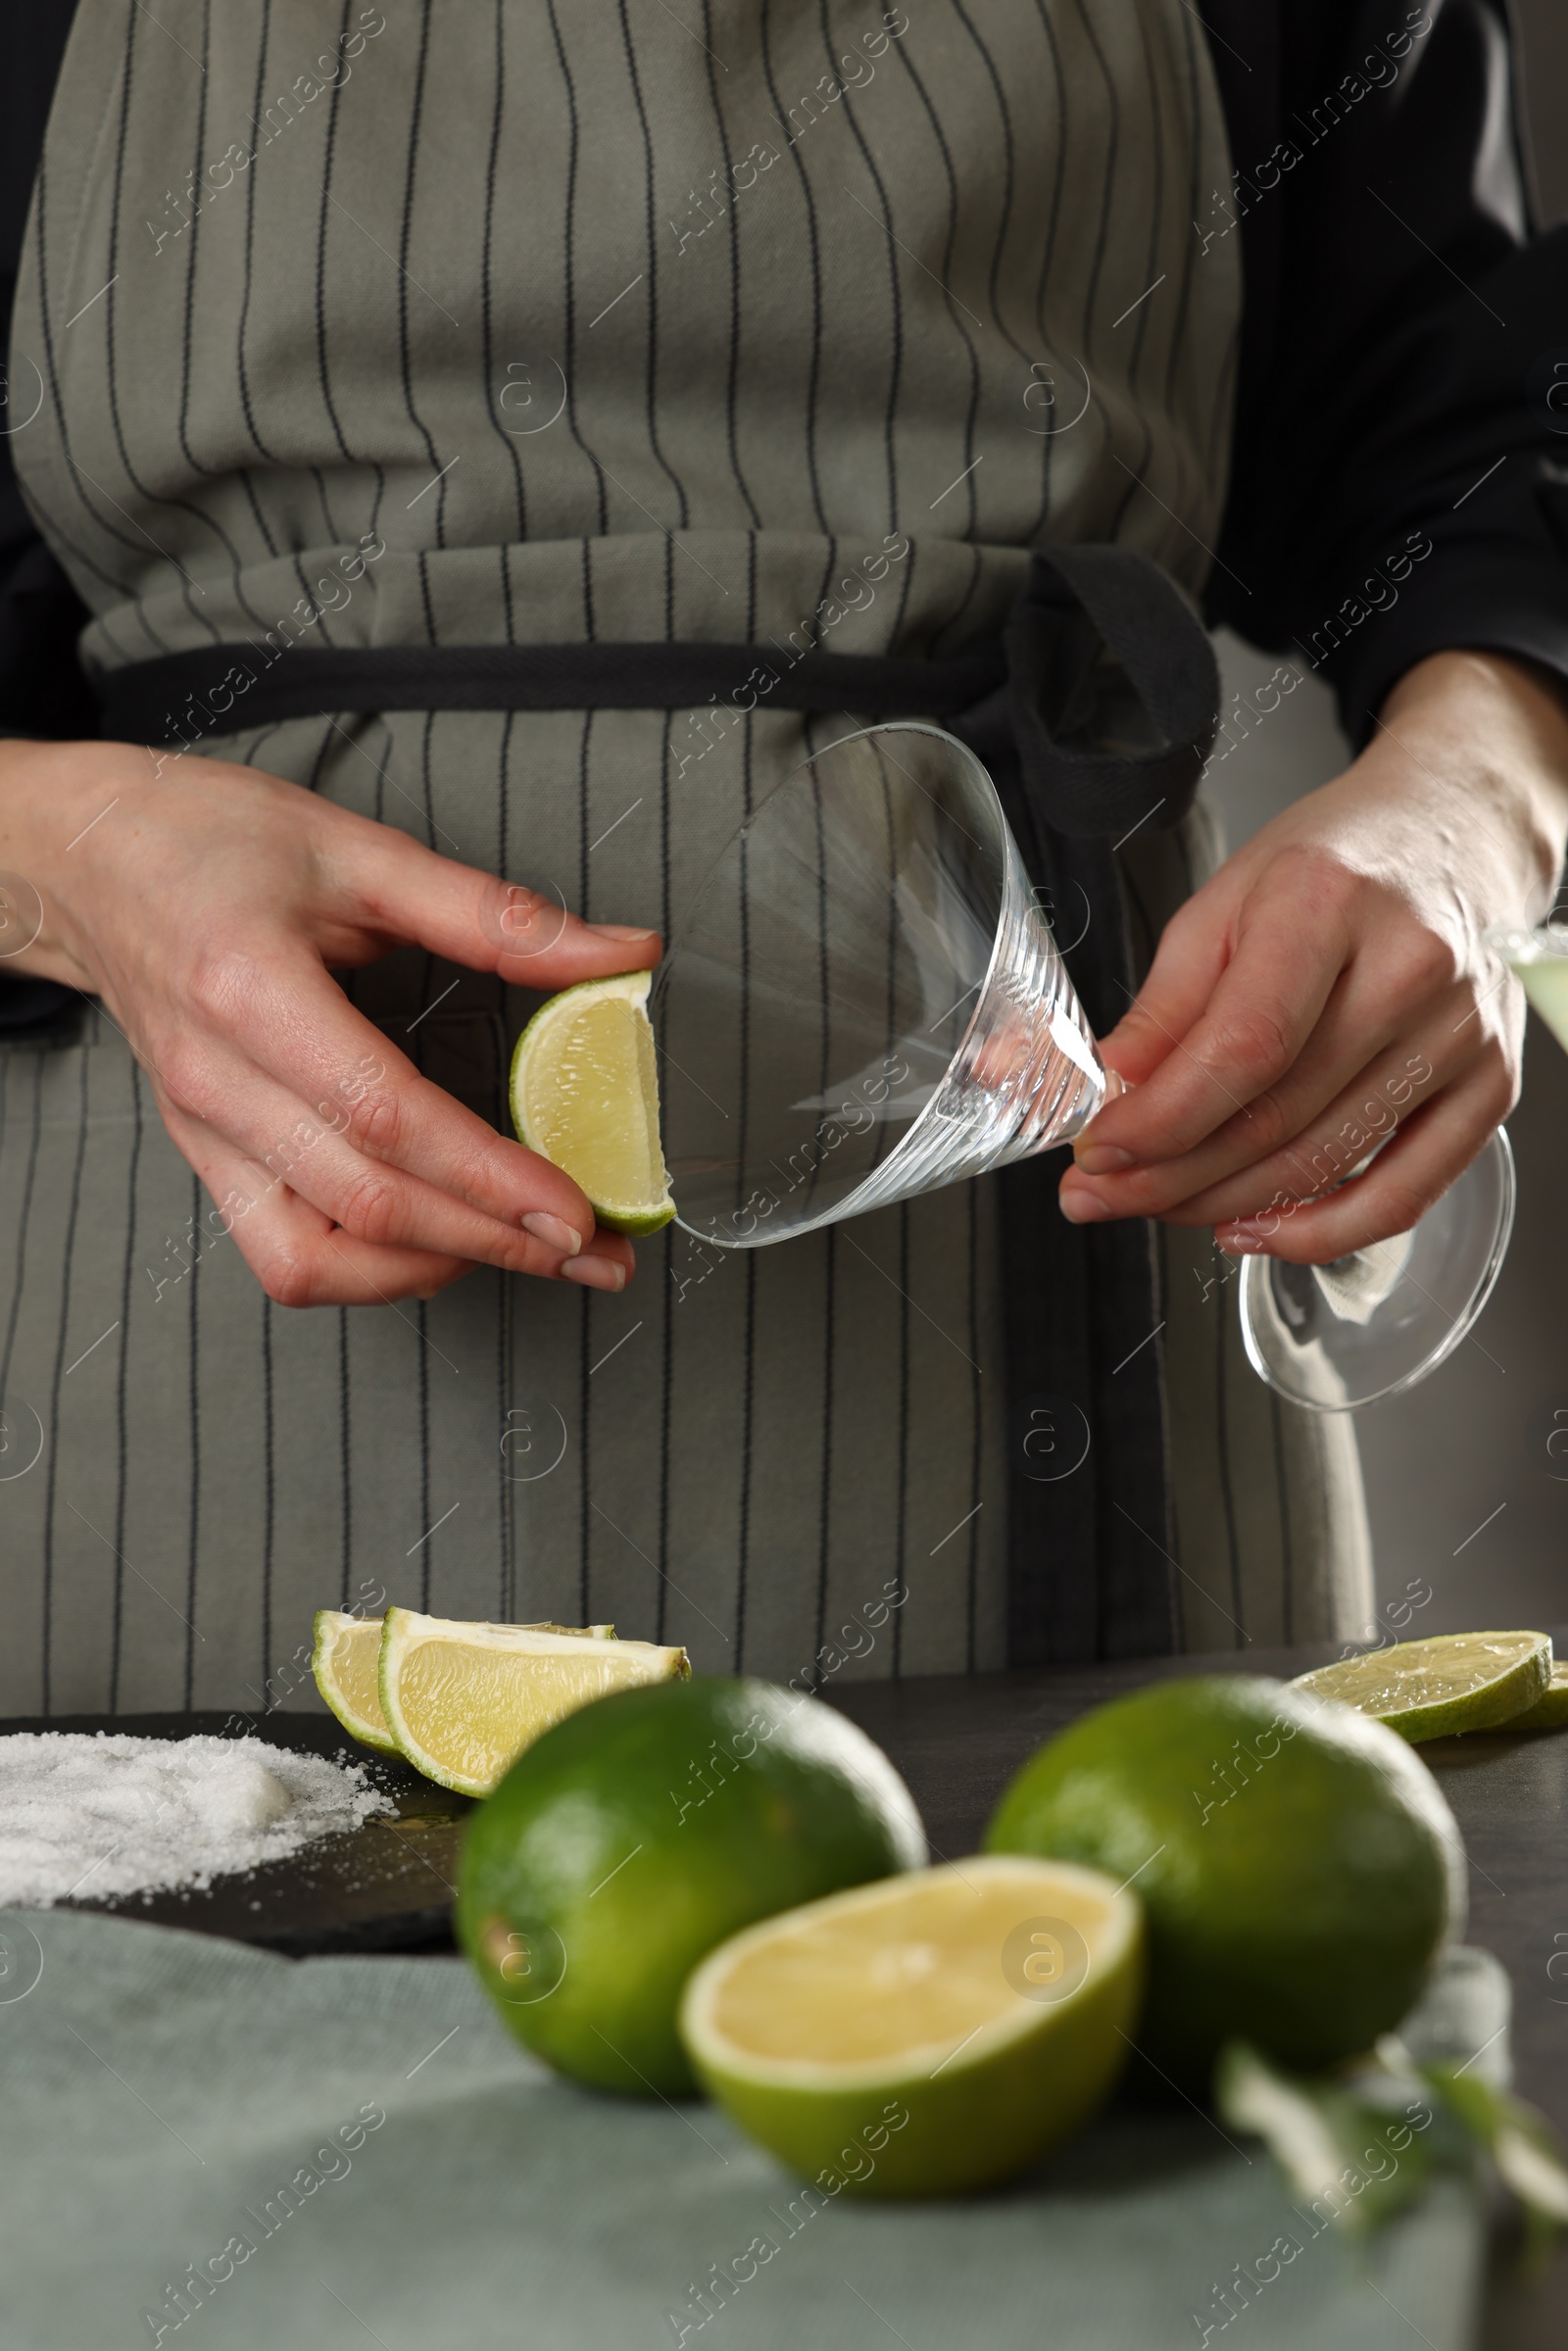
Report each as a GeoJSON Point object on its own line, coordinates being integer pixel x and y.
{"type": "Point", "coordinates": [97, 1814]}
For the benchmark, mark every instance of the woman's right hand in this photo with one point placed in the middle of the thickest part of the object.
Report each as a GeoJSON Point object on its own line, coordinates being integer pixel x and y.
{"type": "Point", "coordinates": [207, 905]}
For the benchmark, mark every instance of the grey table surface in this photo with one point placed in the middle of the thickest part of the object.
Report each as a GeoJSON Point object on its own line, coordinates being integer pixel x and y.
{"type": "Point", "coordinates": [957, 1741]}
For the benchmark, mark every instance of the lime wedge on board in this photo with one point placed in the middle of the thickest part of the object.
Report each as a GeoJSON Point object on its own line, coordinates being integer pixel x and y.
{"type": "Point", "coordinates": [463, 1701]}
{"type": "Point", "coordinates": [1450, 1682]}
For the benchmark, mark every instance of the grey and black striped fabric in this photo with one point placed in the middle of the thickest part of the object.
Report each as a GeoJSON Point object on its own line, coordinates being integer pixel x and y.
{"type": "Point", "coordinates": [518, 323]}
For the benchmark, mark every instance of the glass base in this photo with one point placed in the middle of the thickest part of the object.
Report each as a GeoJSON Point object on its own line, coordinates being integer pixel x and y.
{"type": "Point", "coordinates": [1333, 1337]}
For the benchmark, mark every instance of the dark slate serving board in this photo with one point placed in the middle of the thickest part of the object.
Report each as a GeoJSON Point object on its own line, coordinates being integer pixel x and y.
{"type": "Point", "coordinates": [386, 1885]}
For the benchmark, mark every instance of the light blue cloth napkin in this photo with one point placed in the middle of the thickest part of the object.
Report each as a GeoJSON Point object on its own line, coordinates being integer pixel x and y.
{"type": "Point", "coordinates": [353, 2151]}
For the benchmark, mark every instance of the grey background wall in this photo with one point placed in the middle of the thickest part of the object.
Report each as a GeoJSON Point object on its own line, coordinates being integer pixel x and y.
{"type": "Point", "coordinates": [1464, 1495]}
{"type": "Point", "coordinates": [1543, 26]}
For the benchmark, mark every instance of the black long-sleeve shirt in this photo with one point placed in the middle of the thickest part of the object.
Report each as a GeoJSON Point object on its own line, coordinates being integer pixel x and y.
{"type": "Point", "coordinates": [1399, 478]}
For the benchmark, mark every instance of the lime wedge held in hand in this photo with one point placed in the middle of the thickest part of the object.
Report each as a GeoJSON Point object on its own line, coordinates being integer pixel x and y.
{"type": "Point", "coordinates": [463, 1701]}
{"type": "Point", "coordinates": [1450, 1682]}
{"type": "Point", "coordinates": [926, 2036]}
{"type": "Point", "coordinates": [585, 1096]}
{"type": "Point", "coordinates": [346, 1663]}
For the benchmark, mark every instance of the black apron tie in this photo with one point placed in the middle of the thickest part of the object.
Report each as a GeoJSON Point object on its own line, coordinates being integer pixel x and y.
{"type": "Point", "coordinates": [1107, 679]}
{"type": "Point", "coordinates": [1094, 711]}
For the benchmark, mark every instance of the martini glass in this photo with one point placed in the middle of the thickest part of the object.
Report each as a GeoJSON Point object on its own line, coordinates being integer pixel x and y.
{"type": "Point", "coordinates": [865, 1001]}
{"type": "Point", "coordinates": [1538, 960]}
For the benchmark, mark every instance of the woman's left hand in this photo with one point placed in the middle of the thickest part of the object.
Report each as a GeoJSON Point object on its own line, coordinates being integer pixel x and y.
{"type": "Point", "coordinates": [1330, 986]}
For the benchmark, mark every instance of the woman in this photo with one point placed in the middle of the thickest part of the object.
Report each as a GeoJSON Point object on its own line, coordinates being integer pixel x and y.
{"type": "Point", "coordinates": [379, 337]}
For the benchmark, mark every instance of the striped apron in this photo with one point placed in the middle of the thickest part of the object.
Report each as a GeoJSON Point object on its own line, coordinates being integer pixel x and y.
{"type": "Point", "coordinates": [513, 323]}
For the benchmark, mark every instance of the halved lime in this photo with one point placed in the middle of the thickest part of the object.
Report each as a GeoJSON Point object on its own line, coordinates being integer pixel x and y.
{"type": "Point", "coordinates": [346, 1663]}
{"type": "Point", "coordinates": [630, 1839]}
{"type": "Point", "coordinates": [928, 2035]}
{"type": "Point", "coordinates": [1550, 1710]}
{"type": "Point", "coordinates": [585, 1096]}
{"type": "Point", "coordinates": [1450, 1682]}
{"type": "Point", "coordinates": [463, 1701]}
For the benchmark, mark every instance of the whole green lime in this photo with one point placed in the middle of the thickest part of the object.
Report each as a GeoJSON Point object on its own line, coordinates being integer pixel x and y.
{"type": "Point", "coordinates": [1298, 1865]}
{"type": "Point", "coordinates": [642, 1831]}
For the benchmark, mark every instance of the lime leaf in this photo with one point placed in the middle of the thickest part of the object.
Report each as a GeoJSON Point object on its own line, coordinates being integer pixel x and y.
{"type": "Point", "coordinates": [1335, 2149]}
{"type": "Point", "coordinates": [1517, 2138]}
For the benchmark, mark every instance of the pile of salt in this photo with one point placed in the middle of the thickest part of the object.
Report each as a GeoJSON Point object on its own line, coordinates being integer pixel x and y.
{"type": "Point", "coordinates": [103, 1814]}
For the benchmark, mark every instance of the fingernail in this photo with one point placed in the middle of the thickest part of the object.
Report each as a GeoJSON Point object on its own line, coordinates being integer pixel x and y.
{"type": "Point", "coordinates": [1104, 1158]}
{"type": "Point", "coordinates": [595, 1273]}
{"type": "Point", "coordinates": [1081, 1207]}
{"type": "Point", "coordinates": [1239, 1240]}
{"type": "Point", "coordinates": [552, 1232]}
{"type": "Point", "coordinates": [620, 930]}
